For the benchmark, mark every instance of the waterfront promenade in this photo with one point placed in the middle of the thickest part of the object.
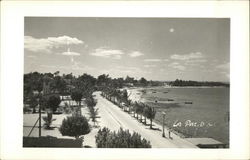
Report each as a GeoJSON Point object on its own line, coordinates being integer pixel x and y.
{"type": "Point", "coordinates": [113, 117]}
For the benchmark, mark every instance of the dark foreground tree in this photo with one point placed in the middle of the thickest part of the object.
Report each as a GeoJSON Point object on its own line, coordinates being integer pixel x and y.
{"type": "Point", "coordinates": [75, 126]}
{"type": "Point", "coordinates": [51, 103]}
{"type": "Point", "coordinates": [121, 139]}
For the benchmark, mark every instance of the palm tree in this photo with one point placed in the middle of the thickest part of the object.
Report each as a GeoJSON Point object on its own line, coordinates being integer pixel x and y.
{"type": "Point", "coordinates": [150, 114]}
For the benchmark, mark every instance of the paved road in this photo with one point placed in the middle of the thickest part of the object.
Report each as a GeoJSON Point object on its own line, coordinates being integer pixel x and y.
{"type": "Point", "coordinates": [114, 118]}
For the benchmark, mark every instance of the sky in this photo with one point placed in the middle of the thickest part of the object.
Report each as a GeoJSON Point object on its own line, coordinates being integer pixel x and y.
{"type": "Point", "coordinates": [154, 48]}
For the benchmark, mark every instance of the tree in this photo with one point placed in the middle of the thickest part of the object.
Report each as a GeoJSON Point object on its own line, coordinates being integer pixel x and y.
{"type": "Point", "coordinates": [103, 80]}
{"type": "Point", "coordinates": [138, 110]}
{"type": "Point", "coordinates": [52, 103]}
{"type": "Point", "coordinates": [91, 103]}
{"type": "Point", "coordinates": [77, 95]}
{"type": "Point", "coordinates": [149, 112]}
{"type": "Point", "coordinates": [58, 85]}
{"type": "Point", "coordinates": [93, 114]}
{"type": "Point", "coordinates": [75, 126]}
{"type": "Point", "coordinates": [121, 139]}
{"type": "Point", "coordinates": [32, 82]}
{"type": "Point", "coordinates": [33, 102]}
{"type": "Point", "coordinates": [143, 81]}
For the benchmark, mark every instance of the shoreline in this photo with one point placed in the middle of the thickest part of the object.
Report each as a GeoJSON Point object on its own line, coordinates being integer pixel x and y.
{"type": "Point", "coordinates": [138, 95]}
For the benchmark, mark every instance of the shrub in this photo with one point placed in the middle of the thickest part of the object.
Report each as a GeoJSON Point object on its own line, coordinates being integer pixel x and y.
{"type": "Point", "coordinates": [122, 139]}
{"type": "Point", "coordinates": [74, 126]}
{"type": "Point", "coordinates": [48, 121]}
{"type": "Point", "coordinates": [67, 109]}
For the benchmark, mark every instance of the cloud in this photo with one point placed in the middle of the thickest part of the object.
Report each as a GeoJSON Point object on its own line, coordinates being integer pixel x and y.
{"type": "Point", "coordinates": [81, 67]}
{"type": "Point", "coordinates": [171, 30]}
{"type": "Point", "coordinates": [71, 54]}
{"type": "Point", "coordinates": [120, 71]}
{"type": "Point", "coordinates": [149, 66]}
{"type": "Point", "coordinates": [176, 65]}
{"type": "Point", "coordinates": [76, 66]}
{"type": "Point", "coordinates": [135, 54]}
{"type": "Point", "coordinates": [107, 53]}
{"type": "Point", "coordinates": [189, 56]}
{"type": "Point", "coordinates": [152, 60]}
{"type": "Point", "coordinates": [194, 62]}
{"type": "Point", "coordinates": [224, 66]}
{"type": "Point", "coordinates": [47, 44]}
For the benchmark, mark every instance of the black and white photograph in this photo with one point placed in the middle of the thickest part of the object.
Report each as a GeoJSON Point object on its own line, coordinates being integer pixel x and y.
{"type": "Point", "coordinates": [124, 80]}
{"type": "Point", "coordinates": [103, 82]}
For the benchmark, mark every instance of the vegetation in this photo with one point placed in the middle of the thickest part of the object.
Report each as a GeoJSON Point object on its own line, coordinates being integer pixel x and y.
{"type": "Point", "coordinates": [178, 82]}
{"type": "Point", "coordinates": [149, 112]}
{"type": "Point", "coordinates": [77, 95]}
{"type": "Point", "coordinates": [138, 109]}
{"type": "Point", "coordinates": [91, 103]}
{"type": "Point", "coordinates": [75, 126]}
{"type": "Point", "coordinates": [51, 103]}
{"type": "Point", "coordinates": [48, 121]}
{"type": "Point", "coordinates": [121, 139]}
{"type": "Point", "coordinates": [33, 102]}
{"type": "Point", "coordinates": [46, 89]}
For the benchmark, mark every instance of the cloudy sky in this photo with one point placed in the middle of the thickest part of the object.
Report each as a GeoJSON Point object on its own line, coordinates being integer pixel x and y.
{"type": "Point", "coordinates": [154, 48]}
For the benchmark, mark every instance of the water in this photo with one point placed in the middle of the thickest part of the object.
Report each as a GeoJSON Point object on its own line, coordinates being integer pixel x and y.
{"type": "Point", "coordinates": [194, 112]}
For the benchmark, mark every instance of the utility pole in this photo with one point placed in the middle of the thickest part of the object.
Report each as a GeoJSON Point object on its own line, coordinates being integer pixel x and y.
{"type": "Point", "coordinates": [163, 122]}
{"type": "Point", "coordinates": [40, 124]}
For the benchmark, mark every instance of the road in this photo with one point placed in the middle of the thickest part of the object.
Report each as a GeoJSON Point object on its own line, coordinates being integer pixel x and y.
{"type": "Point", "coordinates": [113, 117]}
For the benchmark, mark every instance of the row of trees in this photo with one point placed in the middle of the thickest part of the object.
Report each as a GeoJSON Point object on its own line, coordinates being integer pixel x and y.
{"type": "Point", "coordinates": [65, 83]}
{"type": "Point", "coordinates": [139, 110]}
{"type": "Point", "coordinates": [178, 82]}
{"type": "Point", "coordinates": [47, 90]}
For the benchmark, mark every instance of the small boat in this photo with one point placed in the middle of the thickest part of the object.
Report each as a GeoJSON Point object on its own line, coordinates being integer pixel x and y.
{"type": "Point", "coordinates": [170, 100]}
{"type": "Point", "coordinates": [188, 102]}
{"type": "Point", "coordinates": [154, 92]}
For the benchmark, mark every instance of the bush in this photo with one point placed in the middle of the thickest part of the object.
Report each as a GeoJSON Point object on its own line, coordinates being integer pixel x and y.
{"type": "Point", "coordinates": [48, 121]}
{"type": "Point", "coordinates": [74, 126]}
{"type": "Point", "coordinates": [122, 139]}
